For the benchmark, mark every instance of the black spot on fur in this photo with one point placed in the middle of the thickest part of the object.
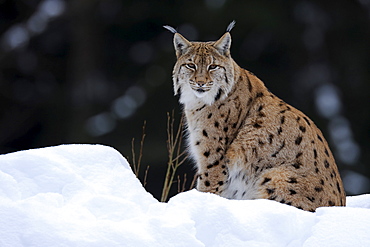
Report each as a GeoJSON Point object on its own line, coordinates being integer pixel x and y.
{"type": "Point", "coordinates": [265, 181]}
{"type": "Point", "coordinates": [302, 128]}
{"type": "Point", "coordinates": [209, 116]}
{"type": "Point", "coordinates": [234, 125]}
{"type": "Point", "coordinates": [226, 140]}
{"type": "Point", "coordinates": [218, 95]}
{"type": "Point", "coordinates": [331, 203]}
{"type": "Point", "coordinates": [257, 125]}
{"type": "Point", "coordinates": [218, 149]}
{"type": "Point", "coordinates": [317, 170]}
{"type": "Point", "coordinates": [216, 163]}
{"type": "Point", "coordinates": [259, 94]}
{"type": "Point", "coordinates": [320, 138]}
{"type": "Point", "coordinates": [292, 192]}
{"type": "Point", "coordinates": [279, 149]}
{"type": "Point", "coordinates": [205, 133]}
{"type": "Point", "coordinates": [308, 121]}
{"type": "Point", "coordinates": [207, 183]}
{"type": "Point", "coordinates": [282, 119]}
{"type": "Point", "coordinates": [226, 129]}
{"type": "Point", "coordinates": [282, 201]}
{"type": "Point", "coordinates": [311, 199]}
{"type": "Point", "coordinates": [298, 155]}
{"type": "Point", "coordinates": [322, 182]}
{"type": "Point", "coordinates": [298, 140]}
{"type": "Point", "coordinates": [297, 165]}
{"type": "Point", "coordinates": [326, 152]}
{"type": "Point", "coordinates": [270, 191]}
{"type": "Point", "coordinates": [319, 189]}
{"type": "Point", "coordinates": [315, 153]}
{"type": "Point", "coordinates": [197, 143]}
{"type": "Point", "coordinates": [267, 166]}
{"type": "Point", "coordinates": [271, 136]}
{"type": "Point", "coordinates": [206, 153]}
{"type": "Point", "coordinates": [338, 187]}
{"type": "Point", "coordinates": [326, 163]}
{"type": "Point", "coordinates": [256, 168]}
{"type": "Point", "coordinates": [217, 124]}
{"type": "Point", "coordinates": [292, 180]}
{"type": "Point", "coordinates": [220, 183]}
{"type": "Point", "coordinates": [201, 108]}
{"type": "Point", "coordinates": [209, 166]}
{"type": "Point", "coordinates": [279, 130]}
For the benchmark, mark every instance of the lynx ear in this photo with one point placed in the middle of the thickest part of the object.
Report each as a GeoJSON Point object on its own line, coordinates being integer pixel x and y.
{"type": "Point", "coordinates": [181, 44]}
{"type": "Point", "coordinates": [223, 44]}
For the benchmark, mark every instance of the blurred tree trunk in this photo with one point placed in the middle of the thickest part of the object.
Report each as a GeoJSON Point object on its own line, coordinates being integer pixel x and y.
{"type": "Point", "coordinates": [83, 66]}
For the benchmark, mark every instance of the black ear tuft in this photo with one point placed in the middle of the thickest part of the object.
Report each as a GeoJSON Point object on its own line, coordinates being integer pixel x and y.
{"type": "Point", "coordinates": [171, 29]}
{"type": "Point", "coordinates": [230, 26]}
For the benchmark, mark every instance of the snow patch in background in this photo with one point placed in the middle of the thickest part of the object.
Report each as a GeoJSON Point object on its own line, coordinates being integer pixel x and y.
{"type": "Point", "coordinates": [87, 195]}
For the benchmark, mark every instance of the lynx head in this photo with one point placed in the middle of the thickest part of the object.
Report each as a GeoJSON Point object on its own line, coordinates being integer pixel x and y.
{"type": "Point", "coordinates": [204, 71]}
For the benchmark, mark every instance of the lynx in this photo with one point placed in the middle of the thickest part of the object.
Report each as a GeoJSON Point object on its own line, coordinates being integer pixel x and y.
{"type": "Point", "coordinates": [246, 142]}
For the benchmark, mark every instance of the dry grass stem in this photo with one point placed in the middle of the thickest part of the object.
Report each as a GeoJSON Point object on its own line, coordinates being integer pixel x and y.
{"type": "Point", "coordinates": [136, 164]}
{"type": "Point", "coordinates": [176, 157]}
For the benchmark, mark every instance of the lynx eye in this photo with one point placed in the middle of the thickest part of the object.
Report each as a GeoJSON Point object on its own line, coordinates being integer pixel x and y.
{"type": "Point", "coordinates": [212, 67]}
{"type": "Point", "coordinates": [190, 66]}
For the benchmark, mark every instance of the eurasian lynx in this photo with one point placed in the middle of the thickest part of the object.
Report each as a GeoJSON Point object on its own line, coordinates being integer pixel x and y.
{"type": "Point", "coordinates": [246, 142]}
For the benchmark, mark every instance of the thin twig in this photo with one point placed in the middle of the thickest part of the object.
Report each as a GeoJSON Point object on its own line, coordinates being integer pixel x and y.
{"type": "Point", "coordinates": [178, 184]}
{"type": "Point", "coordinates": [141, 149]}
{"type": "Point", "coordinates": [136, 164]}
{"type": "Point", "coordinates": [175, 156]}
{"type": "Point", "coordinates": [133, 155]}
{"type": "Point", "coordinates": [184, 183]}
{"type": "Point", "coordinates": [192, 185]}
{"type": "Point", "coordinates": [146, 176]}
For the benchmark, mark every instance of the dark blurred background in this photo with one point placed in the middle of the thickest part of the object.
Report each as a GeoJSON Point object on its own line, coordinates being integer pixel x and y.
{"type": "Point", "coordinates": [92, 71]}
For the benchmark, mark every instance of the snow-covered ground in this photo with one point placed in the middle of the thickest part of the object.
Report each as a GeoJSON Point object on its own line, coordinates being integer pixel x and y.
{"type": "Point", "coordinates": [87, 195]}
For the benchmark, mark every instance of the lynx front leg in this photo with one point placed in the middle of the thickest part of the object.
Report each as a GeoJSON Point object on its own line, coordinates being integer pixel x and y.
{"type": "Point", "coordinates": [213, 179]}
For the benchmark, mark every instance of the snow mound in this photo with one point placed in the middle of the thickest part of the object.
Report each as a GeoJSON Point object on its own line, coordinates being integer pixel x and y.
{"type": "Point", "coordinates": [87, 195]}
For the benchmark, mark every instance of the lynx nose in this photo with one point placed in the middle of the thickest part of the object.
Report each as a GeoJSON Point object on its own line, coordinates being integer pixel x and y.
{"type": "Point", "coordinates": [201, 83]}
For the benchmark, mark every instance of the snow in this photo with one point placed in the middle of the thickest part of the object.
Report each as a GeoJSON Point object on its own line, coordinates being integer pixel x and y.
{"type": "Point", "coordinates": [87, 195]}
